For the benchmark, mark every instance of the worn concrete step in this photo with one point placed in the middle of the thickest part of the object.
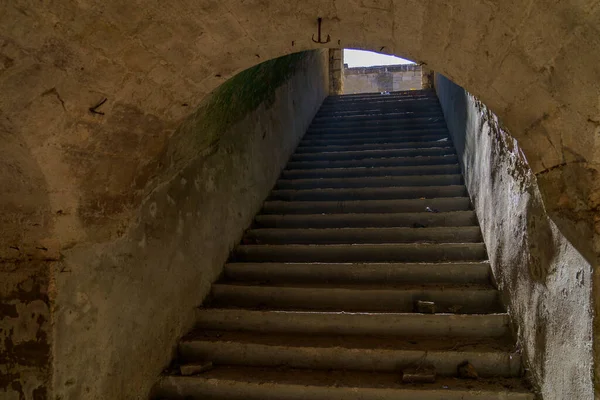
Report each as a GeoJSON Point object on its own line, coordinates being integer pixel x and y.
{"type": "Point", "coordinates": [381, 104]}
{"type": "Point", "coordinates": [384, 193]}
{"type": "Point", "coordinates": [371, 146]}
{"type": "Point", "coordinates": [367, 206]}
{"type": "Point", "coordinates": [354, 273]}
{"type": "Point", "coordinates": [372, 181]}
{"type": "Point", "coordinates": [382, 116]}
{"type": "Point", "coordinates": [253, 383]}
{"type": "Point", "coordinates": [441, 150]}
{"type": "Point", "coordinates": [366, 220]}
{"type": "Point", "coordinates": [354, 323]}
{"type": "Point", "coordinates": [408, 119]}
{"type": "Point", "coordinates": [458, 234]}
{"type": "Point", "coordinates": [403, 94]}
{"type": "Point", "coordinates": [461, 299]}
{"type": "Point", "coordinates": [358, 172]}
{"type": "Point", "coordinates": [490, 357]}
{"type": "Point", "coordinates": [403, 133]}
{"type": "Point", "coordinates": [416, 162]}
{"type": "Point", "coordinates": [434, 123]}
{"type": "Point", "coordinates": [373, 140]}
{"type": "Point", "coordinates": [399, 252]}
{"type": "Point", "coordinates": [339, 111]}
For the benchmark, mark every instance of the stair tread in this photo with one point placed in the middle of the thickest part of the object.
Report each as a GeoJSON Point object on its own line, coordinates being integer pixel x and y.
{"type": "Point", "coordinates": [459, 287]}
{"type": "Point", "coordinates": [412, 343]}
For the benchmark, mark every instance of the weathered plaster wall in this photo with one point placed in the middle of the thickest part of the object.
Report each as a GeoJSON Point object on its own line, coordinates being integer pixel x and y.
{"type": "Point", "coordinates": [121, 305]}
{"type": "Point", "coordinates": [546, 283]}
{"type": "Point", "coordinates": [382, 78]}
{"type": "Point", "coordinates": [24, 330]}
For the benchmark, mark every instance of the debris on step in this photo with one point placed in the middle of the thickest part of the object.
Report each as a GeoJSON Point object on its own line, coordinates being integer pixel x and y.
{"type": "Point", "coordinates": [425, 307]}
{"type": "Point", "coordinates": [418, 225]}
{"type": "Point", "coordinates": [455, 309]}
{"type": "Point", "coordinates": [432, 210]}
{"type": "Point", "coordinates": [466, 370]}
{"type": "Point", "coordinates": [194, 369]}
{"type": "Point", "coordinates": [423, 374]}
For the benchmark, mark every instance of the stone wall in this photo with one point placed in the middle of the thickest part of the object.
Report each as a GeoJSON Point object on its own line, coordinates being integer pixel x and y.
{"type": "Point", "coordinates": [546, 283]}
{"type": "Point", "coordinates": [382, 78]}
{"type": "Point", "coordinates": [119, 307]}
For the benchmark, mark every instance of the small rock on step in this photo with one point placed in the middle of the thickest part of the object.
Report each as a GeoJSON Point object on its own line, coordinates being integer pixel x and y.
{"type": "Point", "coordinates": [421, 374]}
{"type": "Point", "coordinates": [466, 370]}
{"type": "Point", "coordinates": [425, 307]}
{"type": "Point", "coordinates": [431, 210]}
{"type": "Point", "coordinates": [196, 368]}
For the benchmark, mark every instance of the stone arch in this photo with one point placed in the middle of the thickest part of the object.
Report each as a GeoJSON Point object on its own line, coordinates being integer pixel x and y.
{"type": "Point", "coordinates": [535, 64]}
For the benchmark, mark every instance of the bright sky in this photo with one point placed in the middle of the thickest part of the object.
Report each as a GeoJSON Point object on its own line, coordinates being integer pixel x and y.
{"type": "Point", "coordinates": [360, 58]}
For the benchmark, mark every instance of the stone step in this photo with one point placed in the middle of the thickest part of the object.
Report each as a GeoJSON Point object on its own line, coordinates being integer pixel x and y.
{"type": "Point", "coordinates": [367, 182]}
{"type": "Point", "coordinates": [411, 125]}
{"type": "Point", "coordinates": [490, 357]}
{"type": "Point", "coordinates": [401, 133]}
{"type": "Point", "coordinates": [252, 383]}
{"type": "Point", "coordinates": [367, 206]}
{"type": "Point", "coordinates": [398, 252]}
{"type": "Point", "coordinates": [383, 193]}
{"type": "Point", "coordinates": [421, 118]}
{"type": "Point", "coordinates": [339, 111]}
{"type": "Point", "coordinates": [381, 104]}
{"type": "Point", "coordinates": [354, 323]}
{"type": "Point", "coordinates": [460, 234]}
{"type": "Point", "coordinates": [441, 150]}
{"type": "Point", "coordinates": [371, 146]}
{"type": "Point", "coordinates": [382, 116]}
{"type": "Point", "coordinates": [461, 299]}
{"type": "Point", "coordinates": [416, 162]}
{"type": "Point", "coordinates": [381, 220]}
{"type": "Point", "coordinates": [355, 273]}
{"type": "Point", "coordinates": [358, 172]}
{"type": "Point", "coordinates": [373, 140]}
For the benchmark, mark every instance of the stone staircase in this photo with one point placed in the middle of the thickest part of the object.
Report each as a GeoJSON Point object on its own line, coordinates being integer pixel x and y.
{"type": "Point", "coordinates": [365, 266]}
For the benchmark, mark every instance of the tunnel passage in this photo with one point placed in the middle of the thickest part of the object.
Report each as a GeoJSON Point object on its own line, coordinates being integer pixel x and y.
{"type": "Point", "coordinates": [79, 169]}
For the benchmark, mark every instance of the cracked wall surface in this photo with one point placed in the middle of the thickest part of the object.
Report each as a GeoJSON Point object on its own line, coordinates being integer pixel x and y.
{"type": "Point", "coordinates": [74, 175]}
{"type": "Point", "coordinates": [546, 283]}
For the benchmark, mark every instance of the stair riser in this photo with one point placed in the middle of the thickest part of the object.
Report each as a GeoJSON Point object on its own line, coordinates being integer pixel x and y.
{"type": "Point", "coordinates": [204, 389]}
{"type": "Point", "coordinates": [376, 162]}
{"type": "Point", "coordinates": [360, 155]}
{"type": "Point", "coordinates": [364, 172]}
{"type": "Point", "coordinates": [411, 119]}
{"type": "Point", "coordinates": [361, 253]}
{"type": "Point", "coordinates": [339, 299]}
{"type": "Point", "coordinates": [386, 181]}
{"type": "Point", "coordinates": [408, 126]}
{"type": "Point", "coordinates": [390, 193]}
{"type": "Point", "coordinates": [376, 116]}
{"type": "Point", "coordinates": [347, 323]}
{"type": "Point", "coordinates": [364, 235]}
{"type": "Point", "coordinates": [366, 206]}
{"type": "Point", "coordinates": [359, 273]}
{"type": "Point", "coordinates": [375, 146]}
{"type": "Point", "coordinates": [453, 219]}
{"type": "Point", "coordinates": [373, 140]}
{"type": "Point", "coordinates": [382, 360]}
{"type": "Point", "coordinates": [401, 134]}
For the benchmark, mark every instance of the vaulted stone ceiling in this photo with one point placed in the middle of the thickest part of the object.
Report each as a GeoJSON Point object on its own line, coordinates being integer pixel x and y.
{"type": "Point", "coordinates": [72, 173]}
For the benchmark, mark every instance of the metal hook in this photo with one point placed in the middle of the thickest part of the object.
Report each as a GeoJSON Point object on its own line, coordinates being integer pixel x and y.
{"type": "Point", "coordinates": [319, 20]}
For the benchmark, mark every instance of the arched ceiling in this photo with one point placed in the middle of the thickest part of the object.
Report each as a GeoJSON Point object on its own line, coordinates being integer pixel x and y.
{"type": "Point", "coordinates": [73, 175]}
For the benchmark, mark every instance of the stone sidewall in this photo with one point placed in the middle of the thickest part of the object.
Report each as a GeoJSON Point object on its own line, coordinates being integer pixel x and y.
{"type": "Point", "coordinates": [382, 78]}
{"type": "Point", "coordinates": [545, 282]}
{"type": "Point", "coordinates": [122, 306]}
